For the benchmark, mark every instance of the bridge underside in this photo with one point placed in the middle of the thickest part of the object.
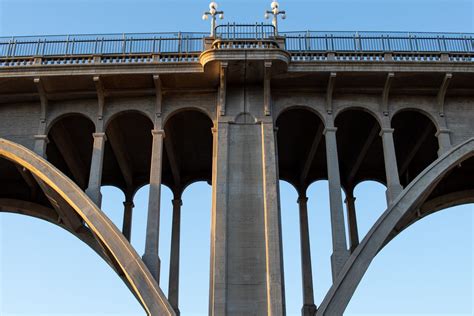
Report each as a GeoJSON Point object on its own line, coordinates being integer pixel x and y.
{"type": "Point", "coordinates": [241, 124]}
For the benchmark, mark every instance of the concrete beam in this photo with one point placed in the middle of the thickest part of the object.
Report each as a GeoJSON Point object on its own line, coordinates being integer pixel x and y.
{"type": "Point", "coordinates": [65, 145]}
{"type": "Point", "coordinates": [100, 96]}
{"type": "Point", "coordinates": [359, 159]}
{"type": "Point", "coordinates": [223, 88]}
{"type": "Point", "coordinates": [43, 98]}
{"type": "Point", "coordinates": [159, 95]}
{"type": "Point", "coordinates": [330, 91]}
{"type": "Point", "coordinates": [312, 153]}
{"type": "Point", "coordinates": [442, 92]}
{"type": "Point", "coordinates": [386, 92]}
{"type": "Point", "coordinates": [267, 88]}
{"type": "Point", "coordinates": [115, 138]}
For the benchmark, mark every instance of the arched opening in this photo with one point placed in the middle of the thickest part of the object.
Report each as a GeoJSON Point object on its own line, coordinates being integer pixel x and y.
{"type": "Point", "coordinates": [429, 262]}
{"type": "Point", "coordinates": [370, 203]}
{"type": "Point", "coordinates": [416, 145]}
{"type": "Point", "coordinates": [56, 272]}
{"type": "Point", "coordinates": [70, 147]}
{"type": "Point", "coordinates": [194, 249]}
{"type": "Point", "coordinates": [188, 145]}
{"type": "Point", "coordinates": [301, 161]}
{"type": "Point", "coordinates": [40, 190]}
{"type": "Point", "coordinates": [359, 147]}
{"type": "Point", "coordinates": [127, 152]}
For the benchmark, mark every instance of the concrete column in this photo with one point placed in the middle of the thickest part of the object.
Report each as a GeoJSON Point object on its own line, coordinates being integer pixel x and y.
{"type": "Point", "coordinates": [391, 169]}
{"type": "Point", "coordinates": [309, 309]}
{"type": "Point", "coordinates": [127, 218]}
{"type": "Point", "coordinates": [340, 253]}
{"type": "Point", "coordinates": [151, 257]}
{"type": "Point", "coordinates": [218, 269]}
{"type": "Point", "coordinates": [41, 141]}
{"type": "Point", "coordinates": [95, 176]}
{"type": "Point", "coordinates": [444, 141]}
{"type": "Point", "coordinates": [352, 220]}
{"type": "Point", "coordinates": [173, 286]}
{"type": "Point", "coordinates": [272, 217]}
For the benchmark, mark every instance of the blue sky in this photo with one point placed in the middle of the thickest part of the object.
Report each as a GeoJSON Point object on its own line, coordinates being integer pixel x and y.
{"type": "Point", "coordinates": [427, 270]}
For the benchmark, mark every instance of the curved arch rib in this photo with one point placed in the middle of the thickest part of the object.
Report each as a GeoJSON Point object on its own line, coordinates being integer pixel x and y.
{"type": "Point", "coordinates": [414, 194]}
{"type": "Point", "coordinates": [135, 271]}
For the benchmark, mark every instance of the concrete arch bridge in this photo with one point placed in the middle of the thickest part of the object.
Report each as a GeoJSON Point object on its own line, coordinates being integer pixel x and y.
{"type": "Point", "coordinates": [240, 111]}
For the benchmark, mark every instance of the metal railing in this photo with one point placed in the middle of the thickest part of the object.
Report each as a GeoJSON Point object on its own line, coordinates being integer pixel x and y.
{"type": "Point", "coordinates": [379, 42]}
{"type": "Point", "coordinates": [256, 31]}
{"type": "Point", "coordinates": [102, 44]}
{"type": "Point", "coordinates": [182, 43]}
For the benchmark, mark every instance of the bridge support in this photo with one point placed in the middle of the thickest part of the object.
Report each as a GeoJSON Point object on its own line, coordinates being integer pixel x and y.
{"type": "Point", "coordinates": [340, 253]}
{"type": "Point", "coordinates": [95, 176]}
{"type": "Point", "coordinates": [173, 286]}
{"type": "Point", "coordinates": [151, 257]}
{"type": "Point", "coordinates": [127, 218]}
{"type": "Point", "coordinates": [308, 296]}
{"type": "Point", "coordinates": [391, 169]}
{"type": "Point", "coordinates": [352, 222]}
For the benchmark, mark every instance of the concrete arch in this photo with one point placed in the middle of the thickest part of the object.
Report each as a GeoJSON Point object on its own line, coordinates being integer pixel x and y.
{"type": "Point", "coordinates": [131, 265]}
{"type": "Point", "coordinates": [313, 110]}
{"type": "Point", "coordinates": [358, 108]}
{"type": "Point", "coordinates": [125, 112]}
{"type": "Point", "coordinates": [414, 194]}
{"type": "Point", "coordinates": [428, 115]}
{"type": "Point", "coordinates": [199, 109]}
{"type": "Point", "coordinates": [62, 116]}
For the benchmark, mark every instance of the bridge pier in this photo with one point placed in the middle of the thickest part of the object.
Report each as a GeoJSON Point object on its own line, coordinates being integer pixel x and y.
{"type": "Point", "coordinates": [173, 285]}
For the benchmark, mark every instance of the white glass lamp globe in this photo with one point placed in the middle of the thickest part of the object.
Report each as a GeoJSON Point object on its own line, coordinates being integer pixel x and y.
{"type": "Point", "coordinates": [221, 16]}
{"type": "Point", "coordinates": [205, 17]}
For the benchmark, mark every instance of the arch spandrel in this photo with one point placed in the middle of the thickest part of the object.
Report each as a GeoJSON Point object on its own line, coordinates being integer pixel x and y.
{"type": "Point", "coordinates": [411, 198]}
{"type": "Point", "coordinates": [130, 264]}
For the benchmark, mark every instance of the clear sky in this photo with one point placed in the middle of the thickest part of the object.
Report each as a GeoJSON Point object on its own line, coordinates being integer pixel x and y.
{"type": "Point", "coordinates": [427, 270]}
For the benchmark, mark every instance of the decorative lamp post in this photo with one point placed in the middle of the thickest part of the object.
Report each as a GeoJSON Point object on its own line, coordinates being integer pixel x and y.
{"type": "Point", "coordinates": [213, 13]}
{"type": "Point", "coordinates": [275, 11]}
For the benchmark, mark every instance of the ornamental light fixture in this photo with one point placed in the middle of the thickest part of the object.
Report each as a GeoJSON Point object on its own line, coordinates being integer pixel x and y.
{"type": "Point", "coordinates": [213, 12]}
{"type": "Point", "coordinates": [275, 12]}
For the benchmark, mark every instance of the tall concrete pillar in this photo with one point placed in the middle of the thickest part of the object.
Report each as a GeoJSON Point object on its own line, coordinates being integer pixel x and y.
{"type": "Point", "coordinates": [246, 259]}
{"type": "Point", "coordinates": [127, 217]}
{"type": "Point", "coordinates": [391, 169]}
{"type": "Point", "coordinates": [352, 221]}
{"type": "Point", "coordinates": [173, 286]}
{"type": "Point", "coordinates": [340, 253]}
{"type": "Point", "coordinates": [151, 256]}
{"type": "Point", "coordinates": [95, 175]}
{"type": "Point", "coordinates": [309, 308]}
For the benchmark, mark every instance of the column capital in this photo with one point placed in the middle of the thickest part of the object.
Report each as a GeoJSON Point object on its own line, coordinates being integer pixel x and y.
{"type": "Point", "coordinates": [349, 198]}
{"type": "Point", "coordinates": [443, 131]}
{"type": "Point", "coordinates": [386, 131]}
{"type": "Point", "coordinates": [214, 130]}
{"type": "Point", "coordinates": [42, 137]}
{"type": "Point", "coordinates": [329, 129]}
{"type": "Point", "coordinates": [302, 199]}
{"type": "Point", "coordinates": [129, 204]}
{"type": "Point", "coordinates": [177, 202]}
{"type": "Point", "coordinates": [100, 135]}
{"type": "Point", "coordinates": [156, 132]}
